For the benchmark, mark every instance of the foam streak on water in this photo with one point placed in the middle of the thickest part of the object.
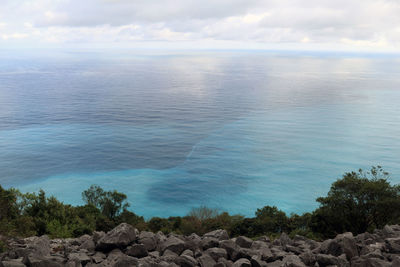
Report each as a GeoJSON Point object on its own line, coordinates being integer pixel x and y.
{"type": "Point", "coordinates": [175, 131]}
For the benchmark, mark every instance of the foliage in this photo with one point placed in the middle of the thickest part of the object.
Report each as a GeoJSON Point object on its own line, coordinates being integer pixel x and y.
{"type": "Point", "coordinates": [358, 202]}
{"type": "Point", "coordinates": [111, 203]}
{"type": "Point", "coordinates": [203, 213]}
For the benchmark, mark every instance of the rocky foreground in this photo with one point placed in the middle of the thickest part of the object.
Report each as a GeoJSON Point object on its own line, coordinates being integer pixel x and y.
{"type": "Point", "coordinates": [126, 246]}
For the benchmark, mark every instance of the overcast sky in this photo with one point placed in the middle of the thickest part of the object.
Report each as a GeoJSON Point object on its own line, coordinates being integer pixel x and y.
{"type": "Point", "coordinates": [372, 25]}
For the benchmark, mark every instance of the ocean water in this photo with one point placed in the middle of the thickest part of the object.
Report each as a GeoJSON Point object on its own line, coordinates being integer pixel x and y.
{"type": "Point", "coordinates": [175, 130]}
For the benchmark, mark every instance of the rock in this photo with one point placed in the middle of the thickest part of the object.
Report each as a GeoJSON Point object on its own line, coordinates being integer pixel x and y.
{"type": "Point", "coordinates": [242, 263]}
{"type": "Point", "coordinates": [361, 262]}
{"type": "Point", "coordinates": [327, 260]}
{"type": "Point", "coordinates": [206, 260]}
{"type": "Point", "coordinates": [88, 245]}
{"type": "Point", "coordinates": [218, 234]}
{"type": "Point", "coordinates": [42, 261]}
{"type": "Point", "coordinates": [193, 242]}
{"type": "Point", "coordinates": [344, 243]}
{"type": "Point", "coordinates": [209, 242]}
{"type": "Point", "coordinates": [40, 245]}
{"type": "Point", "coordinates": [256, 261]}
{"type": "Point", "coordinates": [12, 263]}
{"type": "Point", "coordinates": [173, 244]}
{"type": "Point", "coordinates": [185, 261]}
{"type": "Point", "coordinates": [136, 250]}
{"type": "Point", "coordinates": [295, 250]}
{"type": "Point", "coordinates": [285, 240]}
{"type": "Point", "coordinates": [119, 237]}
{"type": "Point", "coordinates": [257, 245]}
{"type": "Point", "coordinates": [292, 261]}
{"type": "Point", "coordinates": [266, 255]}
{"type": "Point", "coordinates": [244, 242]}
{"type": "Point", "coordinates": [308, 258]}
{"type": "Point", "coordinates": [217, 253]}
{"type": "Point", "coordinates": [393, 244]}
{"type": "Point", "coordinates": [230, 247]}
{"type": "Point", "coordinates": [149, 240]}
{"type": "Point", "coordinates": [97, 235]}
{"type": "Point", "coordinates": [98, 257]}
{"type": "Point", "coordinates": [82, 258]}
{"type": "Point", "coordinates": [187, 252]}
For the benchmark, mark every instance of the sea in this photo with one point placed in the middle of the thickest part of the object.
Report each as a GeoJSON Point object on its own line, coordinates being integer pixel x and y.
{"type": "Point", "coordinates": [233, 130]}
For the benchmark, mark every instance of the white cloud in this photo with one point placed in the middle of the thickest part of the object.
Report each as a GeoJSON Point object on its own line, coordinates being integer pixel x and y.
{"type": "Point", "coordinates": [355, 24]}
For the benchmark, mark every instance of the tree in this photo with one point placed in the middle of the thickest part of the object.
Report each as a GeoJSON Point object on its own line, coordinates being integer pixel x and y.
{"type": "Point", "coordinates": [271, 220]}
{"type": "Point", "coordinates": [203, 213]}
{"type": "Point", "coordinates": [360, 201]}
{"type": "Point", "coordinates": [111, 203]}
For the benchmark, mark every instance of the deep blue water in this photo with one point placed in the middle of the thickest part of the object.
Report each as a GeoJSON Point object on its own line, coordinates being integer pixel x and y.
{"type": "Point", "coordinates": [231, 130]}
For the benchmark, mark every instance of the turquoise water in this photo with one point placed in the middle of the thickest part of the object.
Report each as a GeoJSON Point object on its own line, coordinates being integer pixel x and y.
{"type": "Point", "coordinates": [234, 131]}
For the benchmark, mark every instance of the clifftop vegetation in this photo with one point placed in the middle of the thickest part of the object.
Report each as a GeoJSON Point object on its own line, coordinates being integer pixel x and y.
{"type": "Point", "coordinates": [358, 202]}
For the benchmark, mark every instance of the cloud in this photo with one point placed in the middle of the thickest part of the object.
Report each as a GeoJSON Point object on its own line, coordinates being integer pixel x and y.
{"type": "Point", "coordinates": [371, 24]}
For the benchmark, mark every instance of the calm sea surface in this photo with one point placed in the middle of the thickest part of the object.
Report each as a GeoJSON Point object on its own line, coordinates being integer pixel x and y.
{"type": "Point", "coordinates": [230, 130]}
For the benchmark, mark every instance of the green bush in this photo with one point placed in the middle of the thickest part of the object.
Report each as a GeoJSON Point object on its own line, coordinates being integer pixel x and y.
{"type": "Point", "coordinates": [358, 202]}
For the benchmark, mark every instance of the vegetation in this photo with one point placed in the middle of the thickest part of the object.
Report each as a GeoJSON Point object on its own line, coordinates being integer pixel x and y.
{"type": "Point", "coordinates": [358, 202]}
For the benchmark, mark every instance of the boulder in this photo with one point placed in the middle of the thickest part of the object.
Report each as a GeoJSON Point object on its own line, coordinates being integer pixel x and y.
{"type": "Point", "coordinates": [137, 250]}
{"type": "Point", "coordinates": [393, 244]}
{"type": "Point", "coordinates": [206, 260]}
{"type": "Point", "coordinates": [209, 242]}
{"type": "Point", "coordinates": [79, 257]}
{"type": "Point", "coordinates": [244, 242]}
{"type": "Point", "coordinates": [292, 261]}
{"type": "Point", "coordinates": [88, 245]}
{"type": "Point", "coordinates": [119, 237]}
{"type": "Point", "coordinates": [40, 245]}
{"type": "Point", "coordinates": [327, 260]}
{"type": "Point", "coordinates": [185, 261]}
{"type": "Point", "coordinates": [217, 253]}
{"type": "Point", "coordinates": [173, 244]}
{"type": "Point", "coordinates": [242, 263]}
{"type": "Point", "coordinates": [218, 234]}
{"type": "Point", "coordinates": [149, 240]}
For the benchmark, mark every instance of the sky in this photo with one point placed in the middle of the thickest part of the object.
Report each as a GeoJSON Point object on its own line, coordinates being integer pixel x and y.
{"type": "Point", "coordinates": [350, 25]}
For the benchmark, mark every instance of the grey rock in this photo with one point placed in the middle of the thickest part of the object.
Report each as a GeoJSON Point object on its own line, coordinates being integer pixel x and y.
{"type": "Point", "coordinates": [40, 245]}
{"type": "Point", "coordinates": [393, 244]}
{"type": "Point", "coordinates": [242, 263]}
{"type": "Point", "coordinates": [97, 235]}
{"type": "Point", "coordinates": [284, 240]}
{"type": "Point", "coordinates": [327, 260]}
{"type": "Point", "coordinates": [119, 237]}
{"type": "Point", "coordinates": [230, 247]}
{"type": "Point", "coordinates": [137, 250]}
{"type": "Point", "coordinates": [187, 252]}
{"type": "Point", "coordinates": [174, 244]}
{"type": "Point", "coordinates": [185, 261]}
{"type": "Point", "coordinates": [292, 261]}
{"type": "Point", "coordinates": [257, 245]}
{"type": "Point", "coordinates": [98, 257]}
{"type": "Point", "coordinates": [308, 258]}
{"type": "Point", "coordinates": [256, 261]}
{"type": "Point", "coordinates": [206, 260]}
{"type": "Point", "coordinates": [244, 242]}
{"type": "Point", "coordinates": [218, 234]}
{"type": "Point", "coordinates": [42, 261]}
{"type": "Point", "coordinates": [79, 257]}
{"type": "Point", "coordinates": [266, 255]}
{"type": "Point", "coordinates": [361, 262]}
{"type": "Point", "coordinates": [149, 240]}
{"type": "Point", "coordinates": [12, 263]}
{"type": "Point", "coordinates": [88, 244]}
{"type": "Point", "coordinates": [209, 242]}
{"type": "Point", "coordinates": [217, 253]}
